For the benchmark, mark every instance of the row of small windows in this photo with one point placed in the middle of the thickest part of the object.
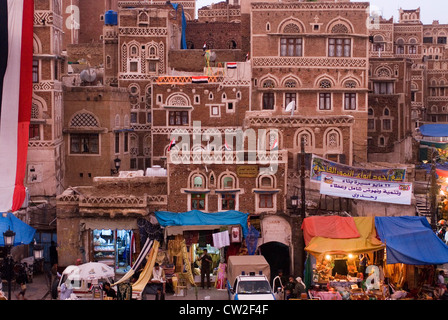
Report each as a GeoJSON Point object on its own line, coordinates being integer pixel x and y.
{"type": "Point", "coordinates": [89, 143]}
{"type": "Point", "coordinates": [293, 47]}
{"type": "Point", "coordinates": [227, 181]}
{"type": "Point", "coordinates": [386, 120]}
{"type": "Point", "coordinates": [295, 28]}
{"type": "Point", "coordinates": [291, 83]}
{"type": "Point", "coordinates": [228, 201]}
{"type": "Point", "coordinates": [325, 100]}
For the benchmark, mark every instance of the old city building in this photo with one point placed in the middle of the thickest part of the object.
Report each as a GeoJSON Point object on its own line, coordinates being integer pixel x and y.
{"type": "Point", "coordinates": [285, 72]}
{"type": "Point", "coordinates": [317, 58]}
{"type": "Point", "coordinates": [46, 166]}
{"type": "Point", "coordinates": [436, 80]}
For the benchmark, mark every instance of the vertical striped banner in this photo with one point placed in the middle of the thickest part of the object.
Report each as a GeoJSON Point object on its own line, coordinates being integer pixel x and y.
{"type": "Point", "coordinates": [16, 62]}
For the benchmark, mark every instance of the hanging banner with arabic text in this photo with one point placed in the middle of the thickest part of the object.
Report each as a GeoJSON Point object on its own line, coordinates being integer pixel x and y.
{"type": "Point", "coordinates": [369, 190]}
{"type": "Point", "coordinates": [320, 165]}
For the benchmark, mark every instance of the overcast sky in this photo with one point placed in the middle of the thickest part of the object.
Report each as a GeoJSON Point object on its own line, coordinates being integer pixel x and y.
{"type": "Point", "coordinates": [429, 9]}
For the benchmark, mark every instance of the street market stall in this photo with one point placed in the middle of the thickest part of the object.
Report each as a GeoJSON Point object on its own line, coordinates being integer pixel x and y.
{"type": "Point", "coordinates": [339, 247]}
{"type": "Point", "coordinates": [414, 254]}
{"type": "Point", "coordinates": [391, 258]}
{"type": "Point", "coordinates": [188, 234]}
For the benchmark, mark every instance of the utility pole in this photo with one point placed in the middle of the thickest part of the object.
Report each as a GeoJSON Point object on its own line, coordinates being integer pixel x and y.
{"type": "Point", "coordinates": [302, 178]}
{"type": "Point", "coordinates": [433, 190]}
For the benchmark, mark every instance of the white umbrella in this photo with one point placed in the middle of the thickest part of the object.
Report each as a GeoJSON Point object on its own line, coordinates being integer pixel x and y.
{"type": "Point", "coordinates": [95, 270]}
{"type": "Point", "coordinates": [89, 271]}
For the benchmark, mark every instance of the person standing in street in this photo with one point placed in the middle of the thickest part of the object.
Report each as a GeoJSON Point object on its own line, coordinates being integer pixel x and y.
{"type": "Point", "coordinates": [206, 261]}
{"type": "Point", "coordinates": [21, 280]}
{"type": "Point", "coordinates": [53, 253]}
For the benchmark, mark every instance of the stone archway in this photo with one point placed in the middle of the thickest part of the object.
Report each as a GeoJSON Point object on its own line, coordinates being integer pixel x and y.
{"type": "Point", "coordinates": [276, 244]}
{"type": "Point", "coordinates": [278, 256]}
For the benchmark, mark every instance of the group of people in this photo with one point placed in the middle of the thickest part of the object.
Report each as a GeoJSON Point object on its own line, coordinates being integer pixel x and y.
{"type": "Point", "coordinates": [293, 288]}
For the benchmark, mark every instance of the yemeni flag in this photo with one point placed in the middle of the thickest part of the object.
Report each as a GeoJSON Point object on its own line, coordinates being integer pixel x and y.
{"type": "Point", "coordinates": [16, 63]}
{"type": "Point", "coordinates": [274, 145]}
{"type": "Point", "coordinates": [199, 79]}
{"type": "Point", "coordinates": [231, 65]}
{"type": "Point", "coordinates": [226, 146]}
{"type": "Point", "coordinates": [172, 144]}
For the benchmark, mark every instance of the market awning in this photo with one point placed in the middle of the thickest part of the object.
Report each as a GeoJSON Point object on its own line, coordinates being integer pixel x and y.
{"type": "Point", "coordinates": [198, 218]}
{"type": "Point", "coordinates": [335, 227]}
{"type": "Point", "coordinates": [434, 144]}
{"type": "Point", "coordinates": [434, 130]}
{"type": "Point", "coordinates": [367, 240]}
{"type": "Point", "coordinates": [442, 173]}
{"type": "Point", "coordinates": [24, 232]}
{"type": "Point", "coordinates": [410, 240]}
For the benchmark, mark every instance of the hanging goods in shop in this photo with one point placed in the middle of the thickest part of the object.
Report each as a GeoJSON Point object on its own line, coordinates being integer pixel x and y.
{"type": "Point", "coordinates": [145, 276]}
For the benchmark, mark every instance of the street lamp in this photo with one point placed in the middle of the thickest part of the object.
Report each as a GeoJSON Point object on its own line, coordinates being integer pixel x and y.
{"type": "Point", "coordinates": [294, 202]}
{"type": "Point", "coordinates": [8, 238]}
{"type": "Point", "coordinates": [38, 252]}
{"type": "Point", "coordinates": [117, 163]}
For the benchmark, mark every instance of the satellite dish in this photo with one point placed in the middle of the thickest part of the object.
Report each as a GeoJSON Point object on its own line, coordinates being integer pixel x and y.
{"type": "Point", "coordinates": [213, 56]}
{"type": "Point", "coordinates": [88, 75]}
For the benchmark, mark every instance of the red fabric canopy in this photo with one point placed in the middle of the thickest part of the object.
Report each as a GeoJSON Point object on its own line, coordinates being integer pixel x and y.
{"type": "Point", "coordinates": [442, 173]}
{"type": "Point", "coordinates": [335, 227]}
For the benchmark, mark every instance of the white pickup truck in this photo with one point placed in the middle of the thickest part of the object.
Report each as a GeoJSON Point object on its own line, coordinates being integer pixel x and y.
{"type": "Point", "coordinates": [248, 279]}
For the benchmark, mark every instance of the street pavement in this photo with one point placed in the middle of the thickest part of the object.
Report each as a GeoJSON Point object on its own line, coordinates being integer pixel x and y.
{"type": "Point", "coordinates": [39, 290]}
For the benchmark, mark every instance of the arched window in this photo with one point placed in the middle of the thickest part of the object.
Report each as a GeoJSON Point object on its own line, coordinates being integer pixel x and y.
{"type": "Point", "coordinates": [228, 182]}
{"type": "Point", "coordinates": [268, 84]}
{"type": "Point", "coordinates": [333, 140]}
{"type": "Point", "coordinates": [152, 52]}
{"type": "Point", "coordinates": [117, 120]}
{"type": "Point", "coordinates": [339, 28]}
{"type": "Point", "coordinates": [133, 143]}
{"type": "Point", "coordinates": [143, 18]}
{"type": "Point", "coordinates": [133, 51]}
{"type": "Point", "coordinates": [198, 182]}
{"type": "Point", "coordinates": [291, 28]}
{"type": "Point", "coordinates": [290, 83]}
{"type": "Point", "coordinates": [306, 137]}
{"type": "Point", "coordinates": [350, 84]}
{"type": "Point", "coordinates": [400, 46]}
{"type": "Point", "coordinates": [383, 73]}
{"type": "Point", "coordinates": [266, 182]}
{"type": "Point", "coordinates": [268, 97]}
{"type": "Point", "coordinates": [325, 84]}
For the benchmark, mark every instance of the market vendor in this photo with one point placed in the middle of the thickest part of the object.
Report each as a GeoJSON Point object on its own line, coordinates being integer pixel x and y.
{"type": "Point", "coordinates": [98, 241]}
{"type": "Point", "coordinates": [158, 275]}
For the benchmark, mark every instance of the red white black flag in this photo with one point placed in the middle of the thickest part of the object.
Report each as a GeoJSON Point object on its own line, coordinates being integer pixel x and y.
{"type": "Point", "coordinates": [16, 63]}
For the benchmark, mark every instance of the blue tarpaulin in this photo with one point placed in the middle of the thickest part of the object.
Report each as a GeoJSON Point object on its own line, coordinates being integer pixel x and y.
{"type": "Point", "coordinates": [434, 130]}
{"type": "Point", "coordinates": [183, 43]}
{"type": "Point", "coordinates": [196, 217]}
{"type": "Point", "coordinates": [24, 232]}
{"type": "Point", "coordinates": [410, 240]}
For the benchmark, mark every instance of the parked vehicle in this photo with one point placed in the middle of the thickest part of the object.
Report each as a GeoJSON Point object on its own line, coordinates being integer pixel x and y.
{"type": "Point", "coordinates": [248, 279]}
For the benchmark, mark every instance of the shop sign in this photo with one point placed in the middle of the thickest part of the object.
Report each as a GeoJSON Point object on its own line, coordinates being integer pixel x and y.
{"type": "Point", "coordinates": [276, 229]}
{"type": "Point", "coordinates": [370, 190]}
{"type": "Point", "coordinates": [247, 171]}
{"type": "Point", "coordinates": [320, 165]}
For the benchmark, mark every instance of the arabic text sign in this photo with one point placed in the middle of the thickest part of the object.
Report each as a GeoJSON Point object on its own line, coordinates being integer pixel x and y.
{"type": "Point", "coordinates": [369, 190]}
{"type": "Point", "coordinates": [320, 165]}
